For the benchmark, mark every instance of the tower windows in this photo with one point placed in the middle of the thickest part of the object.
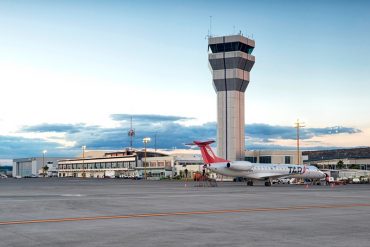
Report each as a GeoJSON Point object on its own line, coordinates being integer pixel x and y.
{"type": "Point", "coordinates": [231, 46]}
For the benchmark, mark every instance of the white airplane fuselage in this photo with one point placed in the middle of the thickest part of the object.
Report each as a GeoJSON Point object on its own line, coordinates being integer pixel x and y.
{"type": "Point", "coordinates": [265, 171]}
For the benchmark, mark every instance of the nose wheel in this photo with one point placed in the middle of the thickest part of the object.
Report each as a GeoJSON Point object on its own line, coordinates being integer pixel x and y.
{"type": "Point", "coordinates": [250, 183]}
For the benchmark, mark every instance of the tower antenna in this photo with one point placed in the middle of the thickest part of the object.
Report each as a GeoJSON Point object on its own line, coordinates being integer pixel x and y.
{"type": "Point", "coordinates": [210, 26]}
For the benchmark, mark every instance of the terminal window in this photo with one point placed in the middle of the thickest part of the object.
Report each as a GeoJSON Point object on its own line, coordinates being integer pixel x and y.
{"type": "Point", "coordinates": [251, 159]}
{"type": "Point", "coordinates": [287, 160]}
{"type": "Point", "coordinates": [265, 159]}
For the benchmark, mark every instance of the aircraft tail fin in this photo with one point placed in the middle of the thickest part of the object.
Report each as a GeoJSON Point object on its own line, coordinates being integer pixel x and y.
{"type": "Point", "coordinates": [207, 153]}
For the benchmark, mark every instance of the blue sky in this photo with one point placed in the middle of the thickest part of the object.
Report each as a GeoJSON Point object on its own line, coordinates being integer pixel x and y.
{"type": "Point", "coordinates": [77, 65]}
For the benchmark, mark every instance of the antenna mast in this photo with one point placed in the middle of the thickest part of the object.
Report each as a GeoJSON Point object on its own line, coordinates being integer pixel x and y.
{"type": "Point", "coordinates": [131, 134]}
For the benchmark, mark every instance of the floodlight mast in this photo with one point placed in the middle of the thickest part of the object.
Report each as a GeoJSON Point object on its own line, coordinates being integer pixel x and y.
{"type": "Point", "coordinates": [83, 161]}
{"type": "Point", "coordinates": [146, 140]}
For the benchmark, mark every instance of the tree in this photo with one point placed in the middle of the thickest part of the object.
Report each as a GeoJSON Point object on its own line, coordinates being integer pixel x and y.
{"type": "Point", "coordinates": [45, 170]}
{"type": "Point", "coordinates": [340, 164]}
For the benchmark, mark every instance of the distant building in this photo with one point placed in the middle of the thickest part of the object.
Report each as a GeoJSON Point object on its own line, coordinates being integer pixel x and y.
{"type": "Point", "coordinates": [272, 157]}
{"type": "Point", "coordinates": [187, 160]}
{"type": "Point", "coordinates": [351, 158]}
{"type": "Point", "coordinates": [6, 170]}
{"type": "Point", "coordinates": [26, 167]}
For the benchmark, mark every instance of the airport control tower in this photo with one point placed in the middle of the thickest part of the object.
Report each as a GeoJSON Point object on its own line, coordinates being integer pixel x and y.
{"type": "Point", "coordinates": [231, 61]}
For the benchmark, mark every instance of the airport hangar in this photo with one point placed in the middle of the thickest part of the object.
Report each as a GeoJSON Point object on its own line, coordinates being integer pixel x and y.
{"type": "Point", "coordinates": [32, 166]}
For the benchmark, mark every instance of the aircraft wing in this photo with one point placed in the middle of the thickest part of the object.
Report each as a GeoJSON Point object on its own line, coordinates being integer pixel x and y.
{"type": "Point", "coordinates": [269, 175]}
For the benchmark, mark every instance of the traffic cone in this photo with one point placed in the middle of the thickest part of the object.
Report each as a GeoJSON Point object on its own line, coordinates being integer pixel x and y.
{"type": "Point", "coordinates": [306, 186]}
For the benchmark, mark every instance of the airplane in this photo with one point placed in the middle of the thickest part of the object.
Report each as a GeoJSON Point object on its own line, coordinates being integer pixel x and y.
{"type": "Point", "coordinates": [254, 171]}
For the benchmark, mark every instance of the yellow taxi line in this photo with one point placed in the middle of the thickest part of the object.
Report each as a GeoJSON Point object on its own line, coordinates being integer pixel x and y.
{"type": "Point", "coordinates": [223, 211]}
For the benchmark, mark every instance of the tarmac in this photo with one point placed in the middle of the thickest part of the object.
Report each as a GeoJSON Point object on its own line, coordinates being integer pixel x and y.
{"type": "Point", "coordinates": [118, 212]}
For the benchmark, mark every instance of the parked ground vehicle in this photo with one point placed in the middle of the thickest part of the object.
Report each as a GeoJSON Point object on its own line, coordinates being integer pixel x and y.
{"type": "Point", "coordinates": [239, 179]}
{"type": "Point", "coordinates": [281, 181]}
{"type": "Point", "coordinates": [31, 176]}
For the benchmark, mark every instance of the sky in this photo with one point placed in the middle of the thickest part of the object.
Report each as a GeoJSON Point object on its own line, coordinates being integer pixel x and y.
{"type": "Point", "coordinates": [72, 73]}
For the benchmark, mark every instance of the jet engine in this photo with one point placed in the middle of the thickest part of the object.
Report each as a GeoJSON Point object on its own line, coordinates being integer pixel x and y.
{"type": "Point", "coordinates": [239, 165]}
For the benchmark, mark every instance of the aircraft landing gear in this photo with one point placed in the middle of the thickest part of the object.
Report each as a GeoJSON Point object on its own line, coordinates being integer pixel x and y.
{"type": "Point", "coordinates": [267, 183]}
{"type": "Point", "coordinates": [250, 183]}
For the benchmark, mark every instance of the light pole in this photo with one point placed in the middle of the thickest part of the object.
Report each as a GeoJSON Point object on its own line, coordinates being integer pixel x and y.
{"type": "Point", "coordinates": [297, 126]}
{"type": "Point", "coordinates": [155, 142]}
{"type": "Point", "coordinates": [146, 140]}
{"type": "Point", "coordinates": [83, 161]}
{"type": "Point", "coordinates": [43, 162]}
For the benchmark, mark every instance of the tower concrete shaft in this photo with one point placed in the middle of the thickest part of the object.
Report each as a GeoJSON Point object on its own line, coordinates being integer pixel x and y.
{"type": "Point", "coordinates": [231, 61]}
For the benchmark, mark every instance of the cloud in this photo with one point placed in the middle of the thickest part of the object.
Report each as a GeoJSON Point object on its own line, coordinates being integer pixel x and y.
{"type": "Point", "coordinates": [148, 118]}
{"type": "Point", "coordinates": [166, 132]}
{"type": "Point", "coordinates": [169, 135]}
{"type": "Point", "coordinates": [19, 147]}
{"type": "Point", "coordinates": [6, 162]}
{"type": "Point", "coordinates": [333, 131]}
{"type": "Point", "coordinates": [268, 132]}
{"type": "Point", "coordinates": [57, 128]}
{"type": "Point", "coordinates": [170, 126]}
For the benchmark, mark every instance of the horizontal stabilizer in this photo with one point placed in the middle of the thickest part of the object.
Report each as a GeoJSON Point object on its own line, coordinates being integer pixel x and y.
{"type": "Point", "coordinates": [200, 143]}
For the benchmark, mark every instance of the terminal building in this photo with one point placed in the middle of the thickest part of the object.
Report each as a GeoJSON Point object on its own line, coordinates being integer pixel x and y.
{"type": "Point", "coordinates": [272, 157]}
{"type": "Point", "coordinates": [128, 163]}
{"type": "Point", "coordinates": [132, 163]}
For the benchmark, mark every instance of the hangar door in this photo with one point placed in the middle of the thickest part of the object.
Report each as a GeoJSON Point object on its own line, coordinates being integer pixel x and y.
{"type": "Point", "coordinates": [24, 169]}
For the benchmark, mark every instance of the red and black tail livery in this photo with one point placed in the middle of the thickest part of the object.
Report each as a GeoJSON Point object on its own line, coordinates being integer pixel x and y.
{"type": "Point", "coordinates": [207, 153]}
